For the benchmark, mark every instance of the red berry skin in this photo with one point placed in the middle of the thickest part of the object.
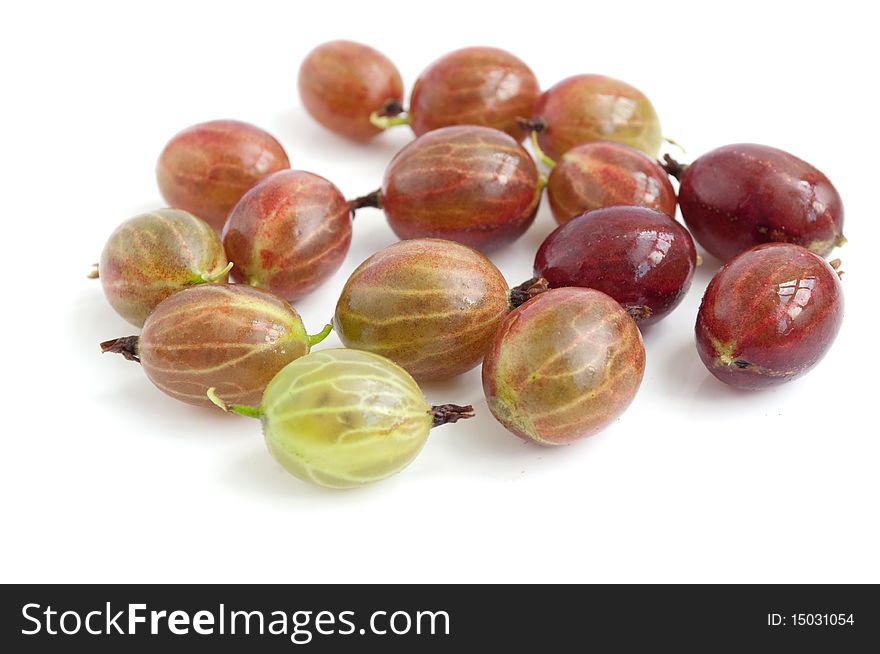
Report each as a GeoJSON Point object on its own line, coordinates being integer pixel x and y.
{"type": "Point", "coordinates": [738, 196]}
{"type": "Point", "coordinates": [227, 336]}
{"type": "Point", "coordinates": [768, 316]}
{"type": "Point", "coordinates": [206, 168]}
{"type": "Point", "coordinates": [474, 86]}
{"type": "Point", "coordinates": [593, 107]}
{"type": "Point", "coordinates": [563, 366]}
{"type": "Point", "coordinates": [474, 185]}
{"type": "Point", "coordinates": [603, 174]}
{"type": "Point", "coordinates": [342, 82]}
{"type": "Point", "coordinates": [288, 234]}
{"type": "Point", "coordinates": [638, 256]}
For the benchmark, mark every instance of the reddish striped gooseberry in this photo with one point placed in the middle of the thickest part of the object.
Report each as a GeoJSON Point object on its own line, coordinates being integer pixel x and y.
{"type": "Point", "coordinates": [431, 306]}
{"type": "Point", "coordinates": [603, 174]}
{"type": "Point", "coordinates": [227, 336]}
{"type": "Point", "coordinates": [592, 108]}
{"type": "Point", "coordinates": [472, 86]}
{"type": "Point", "coordinates": [341, 83]}
{"type": "Point", "coordinates": [288, 234]}
{"type": "Point", "coordinates": [206, 168]}
{"type": "Point", "coordinates": [563, 365]}
{"type": "Point", "coordinates": [474, 185]}
{"type": "Point", "coordinates": [154, 255]}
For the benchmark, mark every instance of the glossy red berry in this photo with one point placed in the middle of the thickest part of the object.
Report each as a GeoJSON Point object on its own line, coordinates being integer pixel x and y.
{"type": "Point", "coordinates": [603, 174]}
{"type": "Point", "coordinates": [769, 316]}
{"type": "Point", "coordinates": [206, 168]}
{"type": "Point", "coordinates": [474, 185]}
{"type": "Point", "coordinates": [474, 86]}
{"type": "Point", "coordinates": [591, 108]}
{"type": "Point", "coordinates": [342, 82]}
{"type": "Point", "coordinates": [640, 257]}
{"type": "Point", "coordinates": [738, 196]}
{"type": "Point", "coordinates": [288, 234]}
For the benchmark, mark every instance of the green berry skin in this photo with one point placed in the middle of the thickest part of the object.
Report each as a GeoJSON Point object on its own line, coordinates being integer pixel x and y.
{"type": "Point", "coordinates": [154, 255]}
{"type": "Point", "coordinates": [431, 306]}
{"type": "Point", "coordinates": [342, 418]}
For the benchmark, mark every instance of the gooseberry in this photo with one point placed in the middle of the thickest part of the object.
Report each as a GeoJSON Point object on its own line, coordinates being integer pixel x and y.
{"type": "Point", "coordinates": [640, 257]}
{"type": "Point", "coordinates": [431, 306]}
{"type": "Point", "coordinates": [472, 86]}
{"type": "Point", "coordinates": [206, 168]}
{"type": "Point", "coordinates": [563, 365]}
{"type": "Point", "coordinates": [474, 185]}
{"type": "Point", "coordinates": [738, 196]}
{"type": "Point", "coordinates": [603, 174]}
{"type": "Point", "coordinates": [289, 233]}
{"type": "Point", "coordinates": [228, 336]}
{"type": "Point", "coordinates": [586, 108]}
{"type": "Point", "coordinates": [769, 315]}
{"type": "Point", "coordinates": [342, 83]}
{"type": "Point", "coordinates": [343, 418]}
{"type": "Point", "coordinates": [154, 255]}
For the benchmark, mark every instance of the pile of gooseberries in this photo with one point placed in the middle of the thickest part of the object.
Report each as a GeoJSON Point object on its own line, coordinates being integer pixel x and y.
{"type": "Point", "coordinates": [209, 280]}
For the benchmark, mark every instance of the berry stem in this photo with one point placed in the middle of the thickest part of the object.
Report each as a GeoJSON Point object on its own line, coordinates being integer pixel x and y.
{"type": "Point", "coordinates": [93, 273]}
{"type": "Point", "coordinates": [240, 409]}
{"type": "Point", "coordinates": [542, 156]}
{"type": "Point", "coordinates": [214, 276]}
{"type": "Point", "coordinates": [373, 200]}
{"type": "Point", "coordinates": [526, 291]}
{"type": "Point", "coordinates": [384, 119]}
{"type": "Point", "coordinates": [672, 167]}
{"type": "Point", "coordinates": [314, 339]}
{"type": "Point", "coordinates": [444, 413]}
{"type": "Point", "coordinates": [127, 346]}
{"type": "Point", "coordinates": [538, 124]}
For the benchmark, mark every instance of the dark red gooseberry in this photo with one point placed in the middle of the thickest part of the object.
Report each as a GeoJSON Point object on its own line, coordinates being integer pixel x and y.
{"type": "Point", "coordinates": [206, 168]}
{"type": "Point", "coordinates": [769, 316]}
{"type": "Point", "coordinates": [640, 257]}
{"type": "Point", "coordinates": [563, 365]}
{"type": "Point", "coordinates": [602, 174]}
{"type": "Point", "coordinates": [474, 185]}
{"type": "Point", "coordinates": [288, 234]}
{"type": "Point", "coordinates": [592, 108]}
{"type": "Point", "coordinates": [342, 82]}
{"type": "Point", "coordinates": [738, 196]}
{"type": "Point", "coordinates": [474, 86]}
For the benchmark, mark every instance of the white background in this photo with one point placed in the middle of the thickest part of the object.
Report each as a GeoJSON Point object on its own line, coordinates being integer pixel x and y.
{"type": "Point", "coordinates": [103, 478]}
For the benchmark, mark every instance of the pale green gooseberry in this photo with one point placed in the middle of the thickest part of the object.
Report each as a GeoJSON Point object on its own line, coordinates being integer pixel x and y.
{"type": "Point", "coordinates": [343, 418]}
